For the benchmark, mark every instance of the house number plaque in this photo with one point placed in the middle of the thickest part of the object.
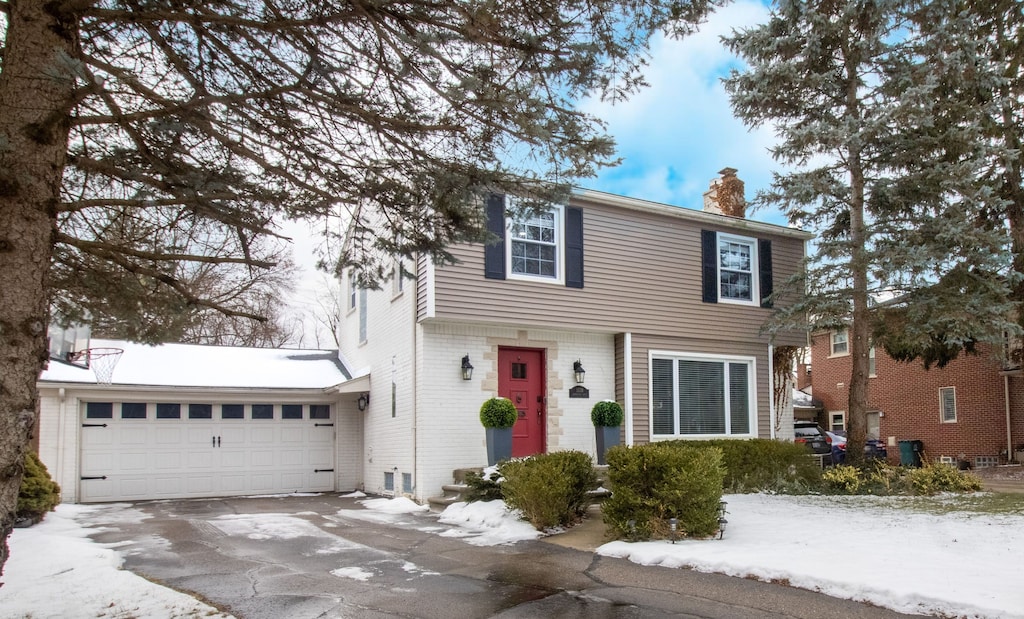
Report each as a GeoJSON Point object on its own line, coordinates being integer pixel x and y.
{"type": "Point", "coordinates": [579, 391]}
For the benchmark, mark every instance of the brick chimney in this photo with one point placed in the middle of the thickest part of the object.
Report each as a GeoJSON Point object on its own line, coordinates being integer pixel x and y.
{"type": "Point", "coordinates": [725, 195]}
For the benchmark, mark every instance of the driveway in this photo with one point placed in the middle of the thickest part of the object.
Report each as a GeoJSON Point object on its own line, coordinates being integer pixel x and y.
{"type": "Point", "coordinates": [325, 556]}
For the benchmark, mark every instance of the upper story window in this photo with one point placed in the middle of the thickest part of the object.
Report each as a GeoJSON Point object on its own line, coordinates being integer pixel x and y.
{"type": "Point", "coordinates": [544, 247]}
{"type": "Point", "coordinates": [351, 291]}
{"type": "Point", "coordinates": [840, 343]}
{"type": "Point", "coordinates": [535, 246]}
{"type": "Point", "coordinates": [872, 367]}
{"type": "Point", "coordinates": [947, 404]}
{"type": "Point", "coordinates": [737, 267]}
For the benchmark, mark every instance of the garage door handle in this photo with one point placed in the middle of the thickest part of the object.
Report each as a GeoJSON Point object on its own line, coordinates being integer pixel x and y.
{"type": "Point", "coordinates": [321, 425]}
{"type": "Point", "coordinates": [215, 441]}
{"type": "Point", "coordinates": [88, 478]}
{"type": "Point", "coordinates": [94, 425]}
{"type": "Point", "coordinates": [323, 470]}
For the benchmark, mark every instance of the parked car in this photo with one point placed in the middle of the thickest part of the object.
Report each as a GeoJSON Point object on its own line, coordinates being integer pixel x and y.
{"type": "Point", "coordinates": [814, 438]}
{"type": "Point", "coordinates": [873, 448]}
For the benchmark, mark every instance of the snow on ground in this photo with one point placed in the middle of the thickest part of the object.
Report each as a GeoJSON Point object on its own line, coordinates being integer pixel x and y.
{"type": "Point", "coordinates": [956, 564]}
{"type": "Point", "coordinates": [871, 549]}
{"type": "Point", "coordinates": [56, 571]}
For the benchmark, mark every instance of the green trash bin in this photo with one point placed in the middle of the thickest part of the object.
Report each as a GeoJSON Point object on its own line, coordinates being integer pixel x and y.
{"type": "Point", "coordinates": [910, 453]}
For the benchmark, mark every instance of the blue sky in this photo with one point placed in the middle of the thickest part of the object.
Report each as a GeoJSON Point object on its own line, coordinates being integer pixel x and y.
{"type": "Point", "coordinates": [675, 135]}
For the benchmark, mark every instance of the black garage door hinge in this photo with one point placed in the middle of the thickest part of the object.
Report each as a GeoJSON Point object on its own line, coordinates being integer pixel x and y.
{"type": "Point", "coordinates": [323, 470]}
{"type": "Point", "coordinates": [99, 477]}
{"type": "Point", "coordinates": [94, 425]}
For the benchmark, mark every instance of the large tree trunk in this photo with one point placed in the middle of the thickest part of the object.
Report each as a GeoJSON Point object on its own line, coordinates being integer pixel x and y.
{"type": "Point", "coordinates": [36, 90]}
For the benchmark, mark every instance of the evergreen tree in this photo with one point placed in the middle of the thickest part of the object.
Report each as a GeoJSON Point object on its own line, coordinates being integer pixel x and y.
{"type": "Point", "coordinates": [139, 135]}
{"type": "Point", "coordinates": [887, 169]}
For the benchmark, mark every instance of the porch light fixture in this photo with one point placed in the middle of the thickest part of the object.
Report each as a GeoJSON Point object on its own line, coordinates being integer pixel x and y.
{"type": "Point", "coordinates": [577, 369]}
{"type": "Point", "coordinates": [363, 401]}
{"type": "Point", "coordinates": [467, 368]}
{"type": "Point", "coordinates": [673, 524]}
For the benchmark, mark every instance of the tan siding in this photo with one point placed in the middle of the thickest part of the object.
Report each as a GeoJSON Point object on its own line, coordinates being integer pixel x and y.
{"type": "Point", "coordinates": [422, 281]}
{"type": "Point", "coordinates": [644, 343]}
{"type": "Point", "coordinates": [642, 273]}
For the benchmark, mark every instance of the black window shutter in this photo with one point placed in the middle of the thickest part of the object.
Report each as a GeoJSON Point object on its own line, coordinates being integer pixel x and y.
{"type": "Point", "coordinates": [709, 265]}
{"type": "Point", "coordinates": [494, 252]}
{"type": "Point", "coordinates": [764, 265]}
{"type": "Point", "coordinates": [573, 247]}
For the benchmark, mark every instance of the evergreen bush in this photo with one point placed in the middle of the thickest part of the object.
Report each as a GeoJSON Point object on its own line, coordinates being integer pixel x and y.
{"type": "Point", "coordinates": [653, 483]}
{"type": "Point", "coordinates": [764, 465]}
{"type": "Point", "coordinates": [498, 413]}
{"type": "Point", "coordinates": [38, 493]}
{"type": "Point", "coordinates": [551, 489]}
{"type": "Point", "coordinates": [607, 413]}
{"type": "Point", "coordinates": [483, 487]}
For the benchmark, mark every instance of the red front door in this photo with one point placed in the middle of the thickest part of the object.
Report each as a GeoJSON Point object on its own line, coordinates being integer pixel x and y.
{"type": "Point", "coordinates": [521, 379]}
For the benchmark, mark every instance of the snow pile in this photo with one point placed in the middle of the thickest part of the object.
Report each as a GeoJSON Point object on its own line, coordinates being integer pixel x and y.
{"type": "Point", "coordinates": [487, 523]}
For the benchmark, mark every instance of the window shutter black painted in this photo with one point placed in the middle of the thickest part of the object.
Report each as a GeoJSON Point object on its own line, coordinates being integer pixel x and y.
{"type": "Point", "coordinates": [709, 265]}
{"type": "Point", "coordinates": [573, 247]}
{"type": "Point", "coordinates": [764, 265]}
{"type": "Point", "coordinates": [494, 253]}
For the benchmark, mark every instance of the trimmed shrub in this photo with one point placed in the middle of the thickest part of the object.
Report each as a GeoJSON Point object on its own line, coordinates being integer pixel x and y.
{"type": "Point", "coordinates": [606, 413]}
{"type": "Point", "coordinates": [764, 465]}
{"type": "Point", "coordinates": [498, 413]}
{"type": "Point", "coordinates": [551, 489]}
{"type": "Point", "coordinates": [936, 478]}
{"type": "Point", "coordinates": [38, 493]}
{"type": "Point", "coordinates": [655, 482]}
{"type": "Point", "coordinates": [842, 479]}
{"type": "Point", "coordinates": [483, 487]}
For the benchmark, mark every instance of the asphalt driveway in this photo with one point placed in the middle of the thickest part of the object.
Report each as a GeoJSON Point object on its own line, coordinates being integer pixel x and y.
{"type": "Point", "coordinates": [325, 556]}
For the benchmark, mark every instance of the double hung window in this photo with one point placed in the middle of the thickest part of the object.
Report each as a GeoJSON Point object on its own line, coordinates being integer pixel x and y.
{"type": "Point", "coordinates": [535, 246]}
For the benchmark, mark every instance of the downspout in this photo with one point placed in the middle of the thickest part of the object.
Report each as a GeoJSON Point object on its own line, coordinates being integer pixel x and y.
{"type": "Point", "coordinates": [61, 447]}
{"type": "Point", "coordinates": [415, 386]}
{"type": "Point", "coordinates": [1009, 438]}
{"type": "Point", "coordinates": [627, 384]}
{"type": "Point", "coordinates": [771, 391]}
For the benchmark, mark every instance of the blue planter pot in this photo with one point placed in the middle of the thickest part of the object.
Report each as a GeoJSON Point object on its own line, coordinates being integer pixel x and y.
{"type": "Point", "coordinates": [499, 445]}
{"type": "Point", "coordinates": [607, 437]}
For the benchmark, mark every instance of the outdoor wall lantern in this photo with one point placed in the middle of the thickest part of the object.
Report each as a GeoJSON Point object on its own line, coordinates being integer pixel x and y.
{"type": "Point", "coordinates": [467, 368]}
{"type": "Point", "coordinates": [577, 369]}
{"type": "Point", "coordinates": [363, 401]}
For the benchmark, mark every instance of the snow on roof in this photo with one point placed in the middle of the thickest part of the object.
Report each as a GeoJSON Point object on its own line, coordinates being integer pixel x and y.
{"type": "Point", "coordinates": [802, 400]}
{"type": "Point", "coordinates": [193, 365]}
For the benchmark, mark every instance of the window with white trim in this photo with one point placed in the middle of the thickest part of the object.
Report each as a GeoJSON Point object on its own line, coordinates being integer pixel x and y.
{"type": "Point", "coordinates": [840, 343]}
{"type": "Point", "coordinates": [535, 247]}
{"type": "Point", "coordinates": [871, 362]}
{"type": "Point", "coordinates": [737, 269]}
{"type": "Point", "coordinates": [351, 291]}
{"type": "Point", "coordinates": [702, 396]}
{"type": "Point", "coordinates": [947, 404]}
{"type": "Point", "coordinates": [837, 421]}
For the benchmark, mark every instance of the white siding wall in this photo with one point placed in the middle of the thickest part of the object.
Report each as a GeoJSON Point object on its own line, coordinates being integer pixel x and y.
{"type": "Point", "coordinates": [450, 434]}
{"type": "Point", "coordinates": [388, 441]}
{"type": "Point", "coordinates": [58, 439]}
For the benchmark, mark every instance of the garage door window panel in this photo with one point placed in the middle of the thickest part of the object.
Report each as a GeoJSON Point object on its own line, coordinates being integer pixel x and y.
{"type": "Point", "coordinates": [166, 410]}
{"type": "Point", "coordinates": [133, 410]}
{"type": "Point", "coordinates": [262, 411]}
{"type": "Point", "coordinates": [232, 411]}
{"type": "Point", "coordinates": [99, 410]}
{"type": "Point", "coordinates": [319, 411]}
{"type": "Point", "coordinates": [291, 411]}
{"type": "Point", "coordinates": [200, 411]}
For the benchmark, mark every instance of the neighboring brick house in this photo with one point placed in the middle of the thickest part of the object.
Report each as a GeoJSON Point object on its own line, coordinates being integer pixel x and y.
{"type": "Point", "coordinates": [660, 305]}
{"type": "Point", "coordinates": [971, 410]}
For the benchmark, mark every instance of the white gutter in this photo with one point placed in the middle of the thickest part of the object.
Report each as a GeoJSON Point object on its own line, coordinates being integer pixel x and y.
{"type": "Point", "coordinates": [627, 387]}
{"type": "Point", "coordinates": [771, 391]}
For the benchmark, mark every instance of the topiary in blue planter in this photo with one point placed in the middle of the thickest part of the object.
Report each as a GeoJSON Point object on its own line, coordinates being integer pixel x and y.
{"type": "Point", "coordinates": [498, 415]}
{"type": "Point", "coordinates": [607, 417]}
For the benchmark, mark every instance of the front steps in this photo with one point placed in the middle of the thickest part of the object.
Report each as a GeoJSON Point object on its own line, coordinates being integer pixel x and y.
{"type": "Point", "coordinates": [452, 493]}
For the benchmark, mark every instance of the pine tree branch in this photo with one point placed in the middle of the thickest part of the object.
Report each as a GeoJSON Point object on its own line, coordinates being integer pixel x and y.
{"type": "Point", "coordinates": [106, 250]}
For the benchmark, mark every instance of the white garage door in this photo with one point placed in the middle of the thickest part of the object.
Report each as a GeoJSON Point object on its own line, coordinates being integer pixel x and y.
{"type": "Point", "coordinates": [134, 451]}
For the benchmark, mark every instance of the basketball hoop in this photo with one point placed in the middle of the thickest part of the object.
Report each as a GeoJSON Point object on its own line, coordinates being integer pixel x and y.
{"type": "Point", "coordinates": [101, 361]}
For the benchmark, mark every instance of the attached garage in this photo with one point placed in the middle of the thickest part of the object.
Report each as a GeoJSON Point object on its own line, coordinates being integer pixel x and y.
{"type": "Point", "coordinates": [134, 440]}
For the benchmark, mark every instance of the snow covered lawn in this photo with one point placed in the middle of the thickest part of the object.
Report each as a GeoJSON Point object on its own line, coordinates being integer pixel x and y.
{"type": "Point", "coordinates": [908, 554]}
